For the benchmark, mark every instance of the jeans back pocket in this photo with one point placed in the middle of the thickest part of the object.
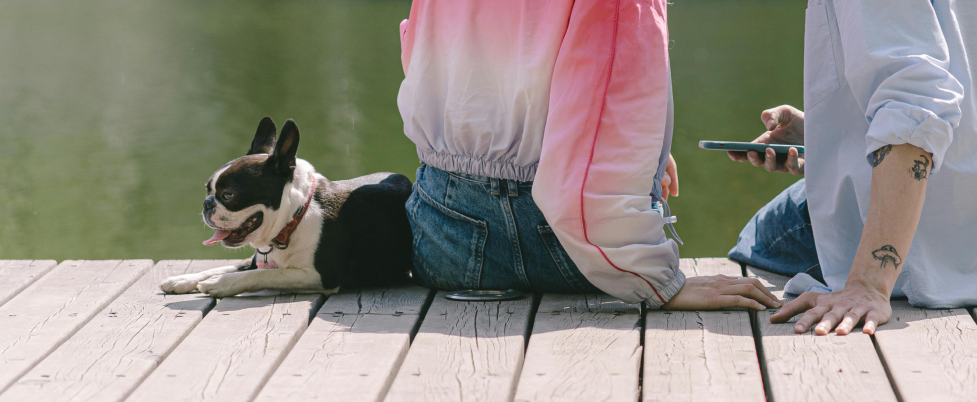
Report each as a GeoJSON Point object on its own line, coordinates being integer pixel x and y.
{"type": "Point", "coordinates": [449, 247]}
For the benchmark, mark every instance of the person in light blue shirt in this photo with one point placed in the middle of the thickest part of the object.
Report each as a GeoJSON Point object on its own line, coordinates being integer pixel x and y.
{"type": "Point", "coordinates": [888, 205]}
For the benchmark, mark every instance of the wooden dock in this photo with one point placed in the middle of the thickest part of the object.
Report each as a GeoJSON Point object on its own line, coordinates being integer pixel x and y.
{"type": "Point", "coordinates": [103, 331]}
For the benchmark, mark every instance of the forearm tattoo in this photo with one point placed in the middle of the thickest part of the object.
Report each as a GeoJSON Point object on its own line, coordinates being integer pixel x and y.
{"type": "Point", "coordinates": [919, 168]}
{"type": "Point", "coordinates": [879, 155]}
{"type": "Point", "coordinates": [888, 255]}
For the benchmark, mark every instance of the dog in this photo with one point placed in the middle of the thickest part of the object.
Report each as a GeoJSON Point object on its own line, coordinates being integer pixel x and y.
{"type": "Point", "coordinates": [311, 235]}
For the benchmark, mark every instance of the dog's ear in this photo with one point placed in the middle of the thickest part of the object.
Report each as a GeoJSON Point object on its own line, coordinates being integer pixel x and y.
{"type": "Point", "coordinates": [264, 138]}
{"type": "Point", "coordinates": [283, 159]}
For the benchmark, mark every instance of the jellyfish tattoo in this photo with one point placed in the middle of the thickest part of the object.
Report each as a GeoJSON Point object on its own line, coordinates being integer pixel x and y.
{"type": "Point", "coordinates": [888, 255]}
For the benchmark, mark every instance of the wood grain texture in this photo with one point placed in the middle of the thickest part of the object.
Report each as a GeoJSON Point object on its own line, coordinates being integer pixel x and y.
{"type": "Point", "coordinates": [233, 351]}
{"type": "Point", "coordinates": [119, 347]}
{"type": "Point", "coordinates": [44, 315]}
{"type": "Point", "coordinates": [465, 351]}
{"type": "Point", "coordinates": [352, 349]}
{"type": "Point", "coordinates": [808, 367]}
{"type": "Point", "coordinates": [701, 355]}
{"type": "Point", "coordinates": [583, 347]}
{"type": "Point", "coordinates": [16, 275]}
{"type": "Point", "coordinates": [931, 354]}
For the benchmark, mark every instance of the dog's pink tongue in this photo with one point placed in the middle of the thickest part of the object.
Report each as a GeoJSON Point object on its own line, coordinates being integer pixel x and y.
{"type": "Point", "coordinates": [218, 236]}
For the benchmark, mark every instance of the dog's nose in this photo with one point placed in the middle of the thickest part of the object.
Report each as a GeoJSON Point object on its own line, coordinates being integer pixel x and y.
{"type": "Point", "coordinates": [209, 203]}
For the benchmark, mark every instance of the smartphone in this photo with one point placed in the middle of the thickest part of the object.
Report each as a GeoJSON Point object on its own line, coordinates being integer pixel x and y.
{"type": "Point", "coordinates": [748, 146]}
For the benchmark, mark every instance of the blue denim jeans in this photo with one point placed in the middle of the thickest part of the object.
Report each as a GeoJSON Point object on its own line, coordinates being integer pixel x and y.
{"type": "Point", "coordinates": [779, 238]}
{"type": "Point", "coordinates": [474, 232]}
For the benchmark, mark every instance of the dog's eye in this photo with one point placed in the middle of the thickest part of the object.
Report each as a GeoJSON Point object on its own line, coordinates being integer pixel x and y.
{"type": "Point", "coordinates": [227, 196]}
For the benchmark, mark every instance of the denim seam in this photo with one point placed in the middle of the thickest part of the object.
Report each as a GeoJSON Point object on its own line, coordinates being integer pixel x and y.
{"type": "Point", "coordinates": [792, 230]}
{"type": "Point", "coordinates": [458, 176]}
{"type": "Point", "coordinates": [513, 236]}
{"type": "Point", "coordinates": [480, 236]}
{"type": "Point", "coordinates": [473, 275]}
{"type": "Point", "coordinates": [560, 262]}
{"type": "Point", "coordinates": [448, 211]}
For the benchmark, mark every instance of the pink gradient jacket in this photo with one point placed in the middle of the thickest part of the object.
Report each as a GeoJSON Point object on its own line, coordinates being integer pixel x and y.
{"type": "Point", "coordinates": [573, 95]}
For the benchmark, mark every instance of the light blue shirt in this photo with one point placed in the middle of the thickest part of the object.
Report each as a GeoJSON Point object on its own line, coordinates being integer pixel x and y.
{"type": "Point", "coordinates": [889, 72]}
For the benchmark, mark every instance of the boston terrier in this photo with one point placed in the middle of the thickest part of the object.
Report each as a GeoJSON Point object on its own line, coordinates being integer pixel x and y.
{"type": "Point", "coordinates": [311, 235]}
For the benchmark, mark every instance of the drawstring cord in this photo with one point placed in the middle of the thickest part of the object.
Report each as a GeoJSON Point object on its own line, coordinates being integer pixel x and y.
{"type": "Point", "coordinates": [669, 221]}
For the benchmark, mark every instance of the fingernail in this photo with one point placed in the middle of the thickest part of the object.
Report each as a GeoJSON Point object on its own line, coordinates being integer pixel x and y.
{"type": "Point", "coordinates": [799, 327]}
{"type": "Point", "coordinates": [771, 122]}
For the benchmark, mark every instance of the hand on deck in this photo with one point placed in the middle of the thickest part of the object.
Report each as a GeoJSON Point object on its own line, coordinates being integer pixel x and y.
{"type": "Point", "coordinates": [785, 125]}
{"type": "Point", "coordinates": [839, 311]}
{"type": "Point", "coordinates": [721, 291]}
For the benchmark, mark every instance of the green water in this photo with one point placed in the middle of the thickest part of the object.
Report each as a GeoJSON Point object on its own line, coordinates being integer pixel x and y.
{"type": "Point", "coordinates": [113, 114]}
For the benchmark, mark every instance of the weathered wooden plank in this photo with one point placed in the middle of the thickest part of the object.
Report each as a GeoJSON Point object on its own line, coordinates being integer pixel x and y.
{"type": "Point", "coordinates": [17, 275]}
{"type": "Point", "coordinates": [116, 350]}
{"type": "Point", "coordinates": [583, 347]}
{"type": "Point", "coordinates": [233, 351]}
{"type": "Point", "coordinates": [931, 354]}
{"type": "Point", "coordinates": [808, 367]}
{"type": "Point", "coordinates": [701, 355]}
{"type": "Point", "coordinates": [352, 349]}
{"type": "Point", "coordinates": [44, 315]}
{"type": "Point", "coordinates": [465, 351]}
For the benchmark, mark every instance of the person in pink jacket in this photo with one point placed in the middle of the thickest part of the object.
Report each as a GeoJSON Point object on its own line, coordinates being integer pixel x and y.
{"type": "Point", "coordinates": [544, 130]}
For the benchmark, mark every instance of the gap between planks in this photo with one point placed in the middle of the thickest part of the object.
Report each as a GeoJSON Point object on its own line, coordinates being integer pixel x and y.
{"type": "Point", "coordinates": [116, 350]}
{"type": "Point", "coordinates": [701, 355]}
{"type": "Point", "coordinates": [233, 351]}
{"type": "Point", "coordinates": [52, 309]}
{"type": "Point", "coordinates": [583, 347]}
{"type": "Point", "coordinates": [355, 344]}
{"type": "Point", "coordinates": [817, 368]}
{"type": "Point", "coordinates": [17, 275]}
{"type": "Point", "coordinates": [931, 354]}
{"type": "Point", "coordinates": [465, 351]}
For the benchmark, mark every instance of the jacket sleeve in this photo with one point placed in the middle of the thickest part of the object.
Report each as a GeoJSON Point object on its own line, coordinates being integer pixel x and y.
{"type": "Point", "coordinates": [606, 131]}
{"type": "Point", "coordinates": [898, 66]}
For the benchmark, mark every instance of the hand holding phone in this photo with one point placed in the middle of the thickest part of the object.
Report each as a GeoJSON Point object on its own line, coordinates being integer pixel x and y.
{"type": "Point", "coordinates": [785, 128]}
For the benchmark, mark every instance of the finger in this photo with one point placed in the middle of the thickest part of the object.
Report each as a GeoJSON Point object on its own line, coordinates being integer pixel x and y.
{"type": "Point", "coordinates": [756, 283]}
{"type": "Point", "coordinates": [755, 293]}
{"type": "Point", "coordinates": [851, 319]}
{"type": "Point", "coordinates": [794, 307]}
{"type": "Point", "coordinates": [830, 320]}
{"type": "Point", "coordinates": [748, 290]}
{"type": "Point", "coordinates": [809, 318]}
{"type": "Point", "coordinates": [763, 139]}
{"type": "Point", "coordinates": [770, 118]}
{"type": "Point", "coordinates": [671, 170]}
{"type": "Point", "coordinates": [800, 167]}
{"type": "Point", "coordinates": [791, 163]}
{"type": "Point", "coordinates": [770, 161]}
{"type": "Point", "coordinates": [740, 301]}
{"type": "Point", "coordinates": [754, 158]}
{"type": "Point", "coordinates": [872, 321]}
{"type": "Point", "coordinates": [664, 193]}
{"type": "Point", "coordinates": [737, 156]}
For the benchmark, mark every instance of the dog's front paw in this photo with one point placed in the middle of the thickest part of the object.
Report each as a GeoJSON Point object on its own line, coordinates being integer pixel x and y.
{"type": "Point", "coordinates": [180, 283]}
{"type": "Point", "coordinates": [223, 285]}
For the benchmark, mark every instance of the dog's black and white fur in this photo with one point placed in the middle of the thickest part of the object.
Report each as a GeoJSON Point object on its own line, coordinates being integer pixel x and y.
{"type": "Point", "coordinates": [354, 233]}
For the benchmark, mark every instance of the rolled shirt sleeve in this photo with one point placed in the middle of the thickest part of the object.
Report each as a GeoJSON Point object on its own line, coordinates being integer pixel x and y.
{"type": "Point", "coordinates": [897, 64]}
{"type": "Point", "coordinates": [607, 124]}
